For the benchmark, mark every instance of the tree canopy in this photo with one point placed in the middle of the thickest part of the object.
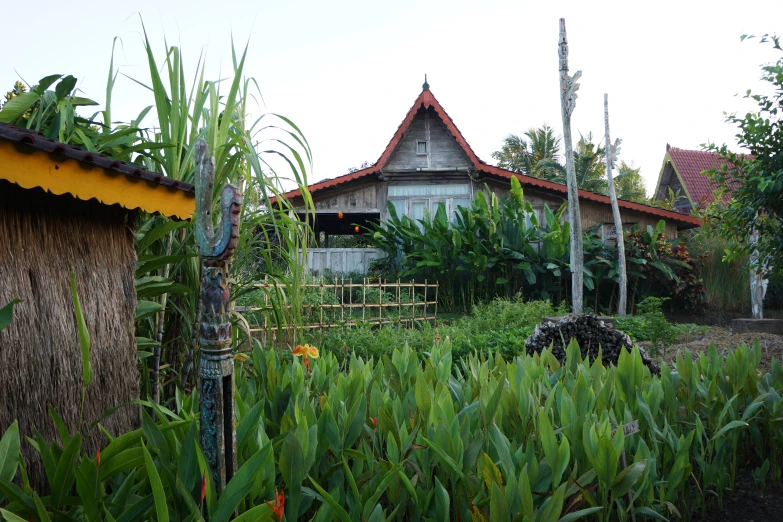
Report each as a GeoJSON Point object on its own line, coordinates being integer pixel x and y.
{"type": "Point", "coordinates": [537, 153]}
{"type": "Point", "coordinates": [755, 180]}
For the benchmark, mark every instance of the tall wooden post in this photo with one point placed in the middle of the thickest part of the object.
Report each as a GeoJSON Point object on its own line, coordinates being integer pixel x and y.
{"type": "Point", "coordinates": [611, 157]}
{"type": "Point", "coordinates": [758, 284]}
{"type": "Point", "coordinates": [568, 88]}
{"type": "Point", "coordinates": [216, 374]}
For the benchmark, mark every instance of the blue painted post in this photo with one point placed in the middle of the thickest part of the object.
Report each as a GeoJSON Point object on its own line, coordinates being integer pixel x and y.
{"type": "Point", "coordinates": [216, 373]}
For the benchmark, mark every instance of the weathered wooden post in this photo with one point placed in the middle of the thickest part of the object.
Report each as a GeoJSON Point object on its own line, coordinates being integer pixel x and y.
{"type": "Point", "coordinates": [758, 284]}
{"type": "Point", "coordinates": [216, 374]}
{"type": "Point", "coordinates": [568, 88]}
{"type": "Point", "coordinates": [611, 157]}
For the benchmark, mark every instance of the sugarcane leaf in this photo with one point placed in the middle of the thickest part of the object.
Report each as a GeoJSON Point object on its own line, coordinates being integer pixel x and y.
{"type": "Point", "coordinates": [84, 335]}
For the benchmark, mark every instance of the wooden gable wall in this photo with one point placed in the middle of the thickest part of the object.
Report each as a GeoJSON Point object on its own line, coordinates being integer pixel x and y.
{"type": "Point", "coordinates": [443, 151]}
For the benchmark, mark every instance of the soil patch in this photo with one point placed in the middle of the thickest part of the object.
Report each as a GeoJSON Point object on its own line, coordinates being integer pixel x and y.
{"type": "Point", "coordinates": [724, 340]}
{"type": "Point", "coordinates": [748, 502]}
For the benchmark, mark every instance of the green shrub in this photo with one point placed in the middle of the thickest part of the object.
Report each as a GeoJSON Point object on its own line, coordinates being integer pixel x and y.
{"type": "Point", "coordinates": [402, 438]}
{"type": "Point", "coordinates": [649, 324]}
{"type": "Point", "coordinates": [500, 326]}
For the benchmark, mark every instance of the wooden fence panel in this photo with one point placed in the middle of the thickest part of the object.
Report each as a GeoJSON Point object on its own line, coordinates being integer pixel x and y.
{"type": "Point", "coordinates": [348, 311]}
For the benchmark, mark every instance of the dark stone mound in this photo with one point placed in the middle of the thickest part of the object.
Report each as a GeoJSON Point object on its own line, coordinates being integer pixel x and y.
{"type": "Point", "coordinates": [591, 333]}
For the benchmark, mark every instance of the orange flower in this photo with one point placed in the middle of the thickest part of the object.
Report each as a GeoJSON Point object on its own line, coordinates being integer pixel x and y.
{"type": "Point", "coordinates": [279, 506]}
{"type": "Point", "coordinates": [241, 357]}
{"type": "Point", "coordinates": [307, 352]}
{"type": "Point", "coordinates": [374, 421]}
{"type": "Point", "coordinates": [98, 457]}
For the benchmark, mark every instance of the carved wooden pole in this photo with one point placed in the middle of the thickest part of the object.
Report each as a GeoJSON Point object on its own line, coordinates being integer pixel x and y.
{"type": "Point", "coordinates": [758, 284]}
{"type": "Point", "coordinates": [216, 374]}
{"type": "Point", "coordinates": [568, 88]}
{"type": "Point", "coordinates": [612, 152]}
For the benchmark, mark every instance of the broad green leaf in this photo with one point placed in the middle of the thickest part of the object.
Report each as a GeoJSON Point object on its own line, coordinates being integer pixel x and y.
{"type": "Point", "coordinates": [158, 493]}
{"type": "Point", "coordinates": [239, 485]}
{"type": "Point", "coordinates": [7, 313]}
{"type": "Point", "coordinates": [9, 452]}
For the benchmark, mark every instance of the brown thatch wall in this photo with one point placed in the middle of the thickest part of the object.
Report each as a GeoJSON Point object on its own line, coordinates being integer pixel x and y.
{"type": "Point", "coordinates": [43, 238]}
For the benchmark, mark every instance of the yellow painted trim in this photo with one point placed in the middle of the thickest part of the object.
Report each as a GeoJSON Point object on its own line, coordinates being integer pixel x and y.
{"type": "Point", "coordinates": [38, 169]}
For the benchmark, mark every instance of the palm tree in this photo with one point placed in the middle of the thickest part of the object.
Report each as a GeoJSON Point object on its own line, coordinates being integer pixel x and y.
{"type": "Point", "coordinates": [536, 153]}
{"type": "Point", "coordinates": [629, 184]}
{"type": "Point", "coordinates": [589, 165]}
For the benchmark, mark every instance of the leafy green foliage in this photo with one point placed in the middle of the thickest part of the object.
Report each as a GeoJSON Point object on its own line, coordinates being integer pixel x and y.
{"type": "Point", "coordinates": [499, 248]}
{"type": "Point", "coordinates": [500, 326]}
{"type": "Point", "coordinates": [407, 439]}
{"type": "Point", "coordinates": [649, 324]}
{"type": "Point", "coordinates": [754, 181]}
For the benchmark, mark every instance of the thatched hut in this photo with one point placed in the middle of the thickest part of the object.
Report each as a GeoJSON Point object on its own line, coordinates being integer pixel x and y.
{"type": "Point", "coordinates": [65, 210]}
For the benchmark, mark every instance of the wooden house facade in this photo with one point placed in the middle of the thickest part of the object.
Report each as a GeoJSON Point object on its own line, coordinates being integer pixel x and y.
{"type": "Point", "coordinates": [428, 162]}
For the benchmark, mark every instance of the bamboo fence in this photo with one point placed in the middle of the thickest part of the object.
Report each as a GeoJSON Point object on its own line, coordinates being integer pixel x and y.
{"type": "Point", "coordinates": [337, 307]}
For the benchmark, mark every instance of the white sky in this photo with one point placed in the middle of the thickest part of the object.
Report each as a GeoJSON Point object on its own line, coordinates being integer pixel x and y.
{"type": "Point", "coordinates": [347, 71]}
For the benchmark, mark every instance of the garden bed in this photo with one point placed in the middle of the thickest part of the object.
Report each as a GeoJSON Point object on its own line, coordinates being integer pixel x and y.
{"type": "Point", "coordinates": [748, 502]}
{"type": "Point", "coordinates": [723, 339]}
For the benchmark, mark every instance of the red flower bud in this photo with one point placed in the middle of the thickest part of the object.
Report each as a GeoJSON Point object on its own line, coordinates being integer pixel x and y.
{"type": "Point", "coordinates": [98, 457]}
{"type": "Point", "coordinates": [203, 486]}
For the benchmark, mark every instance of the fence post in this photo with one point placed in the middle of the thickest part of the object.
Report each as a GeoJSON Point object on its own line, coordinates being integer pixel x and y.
{"type": "Point", "coordinates": [435, 318]}
{"type": "Point", "coordinates": [426, 297]}
{"type": "Point", "coordinates": [321, 308]}
{"type": "Point", "coordinates": [380, 301]}
{"type": "Point", "coordinates": [399, 302]}
{"type": "Point", "coordinates": [217, 433]}
{"type": "Point", "coordinates": [342, 297]}
{"type": "Point", "coordinates": [364, 296]}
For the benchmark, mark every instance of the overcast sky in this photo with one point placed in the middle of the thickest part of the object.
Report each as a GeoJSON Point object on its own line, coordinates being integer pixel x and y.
{"type": "Point", "coordinates": [347, 71]}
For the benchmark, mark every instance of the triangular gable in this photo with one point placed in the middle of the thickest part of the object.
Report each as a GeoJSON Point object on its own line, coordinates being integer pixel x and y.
{"type": "Point", "coordinates": [427, 100]}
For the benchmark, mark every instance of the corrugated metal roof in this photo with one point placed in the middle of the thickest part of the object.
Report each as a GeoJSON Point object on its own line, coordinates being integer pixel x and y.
{"type": "Point", "coordinates": [61, 151]}
{"type": "Point", "coordinates": [427, 100]}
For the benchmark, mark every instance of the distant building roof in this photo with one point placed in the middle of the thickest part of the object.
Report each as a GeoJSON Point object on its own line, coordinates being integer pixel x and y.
{"type": "Point", "coordinates": [689, 166]}
{"type": "Point", "coordinates": [30, 160]}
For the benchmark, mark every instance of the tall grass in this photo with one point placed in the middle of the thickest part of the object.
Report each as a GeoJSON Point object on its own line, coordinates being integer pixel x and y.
{"type": "Point", "coordinates": [726, 283]}
{"type": "Point", "coordinates": [217, 111]}
{"type": "Point", "coordinates": [183, 108]}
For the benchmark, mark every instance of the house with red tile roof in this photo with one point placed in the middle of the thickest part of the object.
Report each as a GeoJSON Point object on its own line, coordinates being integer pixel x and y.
{"type": "Point", "coordinates": [682, 172]}
{"type": "Point", "coordinates": [428, 163]}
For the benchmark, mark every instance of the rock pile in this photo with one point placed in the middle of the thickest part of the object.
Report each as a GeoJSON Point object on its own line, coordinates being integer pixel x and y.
{"type": "Point", "coordinates": [591, 333]}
